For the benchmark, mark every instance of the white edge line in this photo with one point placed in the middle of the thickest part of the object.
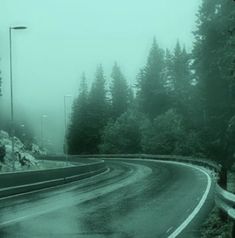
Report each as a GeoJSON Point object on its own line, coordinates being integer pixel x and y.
{"type": "Point", "coordinates": [200, 204]}
{"type": "Point", "coordinates": [198, 207]}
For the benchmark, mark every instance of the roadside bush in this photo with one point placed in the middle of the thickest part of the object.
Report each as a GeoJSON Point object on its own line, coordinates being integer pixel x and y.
{"type": "Point", "coordinates": [123, 135]}
{"type": "Point", "coordinates": [190, 144]}
{"type": "Point", "coordinates": [2, 152]}
{"type": "Point", "coordinates": [162, 136]}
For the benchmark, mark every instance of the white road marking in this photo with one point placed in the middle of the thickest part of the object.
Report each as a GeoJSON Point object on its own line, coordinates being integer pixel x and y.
{"type": "Point", "coordinates": [13, 221]}
{"type": "Point", "coordinates": [200, 204]}
{"type": "Point", "coordinates": [99, 192]}
{"type": "Point", "coordinates": [169, 229]}
{"type": "Point", "coordinates": [197, 208]}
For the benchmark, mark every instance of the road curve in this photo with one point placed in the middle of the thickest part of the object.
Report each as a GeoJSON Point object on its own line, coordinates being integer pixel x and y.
{"type": "Point", "coordinates": [134, 198]}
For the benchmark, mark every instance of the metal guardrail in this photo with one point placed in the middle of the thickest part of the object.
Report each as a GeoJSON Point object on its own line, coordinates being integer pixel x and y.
{"type": "Point", "coordinates": [187, 159]}
{"type": "Point", "coordinates": [18, 182]}
{"type": "Point", "coordinates": [184, 159]}
{"type": "Point", "coordinates": [21, 182]}
{"type": "Point", "coordinates": [225, 200]}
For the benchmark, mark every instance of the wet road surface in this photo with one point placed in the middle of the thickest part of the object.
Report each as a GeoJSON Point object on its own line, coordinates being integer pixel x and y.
{"type": "Point", "coordinates": [132, 199]}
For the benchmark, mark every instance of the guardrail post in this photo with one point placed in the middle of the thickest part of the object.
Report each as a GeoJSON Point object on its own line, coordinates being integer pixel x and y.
{"type": "Point", "coordinates": [223, 178]}
{"type": "Point", "coordinates": [222, 182]}
{"type": "Point", "coordinates": [233, 230]}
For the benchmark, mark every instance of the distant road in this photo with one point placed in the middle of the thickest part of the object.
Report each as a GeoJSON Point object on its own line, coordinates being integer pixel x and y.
{"type": "Point", "coordinates": [133, 199]}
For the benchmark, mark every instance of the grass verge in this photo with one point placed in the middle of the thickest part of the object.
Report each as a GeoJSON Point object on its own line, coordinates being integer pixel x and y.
{"type": "Point", "coordinates": [215, 227]}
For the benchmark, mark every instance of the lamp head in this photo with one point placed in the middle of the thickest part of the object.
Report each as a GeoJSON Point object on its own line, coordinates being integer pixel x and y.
{"type": "Point", "coordinates": [19, 27]}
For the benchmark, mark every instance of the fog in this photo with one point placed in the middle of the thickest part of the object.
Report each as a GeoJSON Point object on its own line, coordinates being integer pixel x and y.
{"type": "Point", "coordinates": [66, 38]}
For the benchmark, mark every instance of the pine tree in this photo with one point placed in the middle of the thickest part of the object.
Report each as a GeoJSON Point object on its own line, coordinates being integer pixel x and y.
{"type": "Point", "coordinates": [119, 92]}
{"type": "Point", "coordinates": [123, 135]}
{"type": "Point", "coordinates": [226, 20]}
{"type": "Point", "coordinates": [168, 71]}
{"type": "Point", "coordinates": [181, 71]}
{"type": "Point", "coordinates": [97, 110]}
{"type": "Point", "coordinates": [207, 63]}
{"type": "Point", "coordinates": [78, 136]}
{"type": "Point", "coordinates": [181, 80]}
{"type": "Point", "coordinates": [214, 57]}
{"type": "Point", "coordinates": [0, 84]}
{"type": "Point", "coordinates": [151, 93]}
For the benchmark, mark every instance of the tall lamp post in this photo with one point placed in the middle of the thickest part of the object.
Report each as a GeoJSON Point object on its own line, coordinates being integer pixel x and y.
{"type": "Point", "coordinates": [65, 127]}
{"type": "Point", "coordinates": [22, 126]}
{"type": "Point", "coordinates": [11, 86]}
{"type": "Point", "coordinates": [43, 117]}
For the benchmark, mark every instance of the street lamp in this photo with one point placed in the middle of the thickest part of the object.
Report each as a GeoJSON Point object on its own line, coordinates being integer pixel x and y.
{"type": "Point", "coordinates": [11, 86]}
{"type": "Point", "coordinates": [22, 131]}
{"type": "Point", "coordinates": [43, 117]}
{"type": "Point", "coordinates": [65, 127]}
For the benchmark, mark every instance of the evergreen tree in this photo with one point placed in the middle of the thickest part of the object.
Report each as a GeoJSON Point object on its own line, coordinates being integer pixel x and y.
{"type": "Point", "coordinates": [226, 20]}
{"type": "Point", "coordinates": [1, 119]}
{"type": "Point", "coordinates": [97, 110]}
{"type": "Point", "coordinates": [208, 64]}
{"type": "Point", "coordinates": [181, 71]}
{"type": "Point", "coordinates": [0, 84]}
{"type": "Point", "coordinates": [214, 57]}
{"type": "Point", "coordinates": [131, 99]}
{"type": "Point", "coordinates": [120, 92]}
{"type": "Point", "coordinates": [168, 71]}
{"type": "Point", "coordinates": [123, 135]}
{"type": "Point", "coordinates": [162, 135]}
{"type": "Point", "coordinates": [152, 98]}
{"type": "Point", "coordinates": [181, 81]}
{"type": "Point", "coordinates": [78, 136]}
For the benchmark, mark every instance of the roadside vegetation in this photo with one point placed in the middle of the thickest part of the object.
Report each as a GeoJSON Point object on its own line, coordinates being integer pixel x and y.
{"type": "Point", "coordinates": [215, 227]}
{"type": "Point", "coordinates": [182, 102]}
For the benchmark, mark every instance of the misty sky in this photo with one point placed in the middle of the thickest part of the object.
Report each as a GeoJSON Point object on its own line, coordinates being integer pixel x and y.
{"type": "Point", "coordinates": [67, 37]}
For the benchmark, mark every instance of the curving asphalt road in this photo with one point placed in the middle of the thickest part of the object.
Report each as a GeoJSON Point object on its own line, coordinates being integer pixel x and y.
{"type": "Point", "coordinates": [133, 199]}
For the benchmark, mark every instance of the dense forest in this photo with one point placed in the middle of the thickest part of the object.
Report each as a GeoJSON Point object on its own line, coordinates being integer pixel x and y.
{"type": "Point", "coordinates": [183, 102]}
